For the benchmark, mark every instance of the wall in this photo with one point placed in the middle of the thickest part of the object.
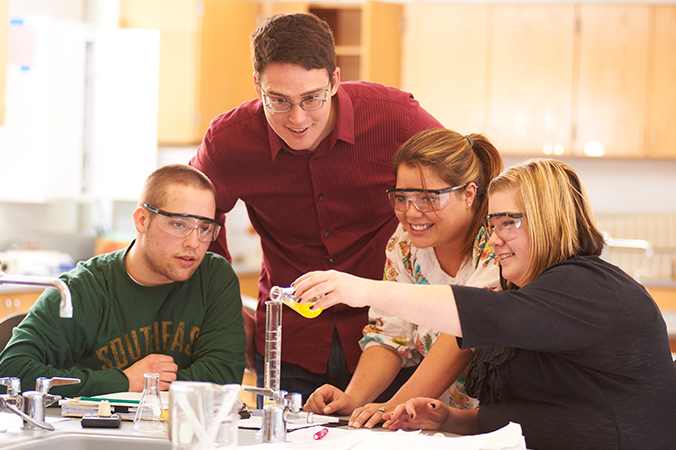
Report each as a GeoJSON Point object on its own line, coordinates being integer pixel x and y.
{"type": "Point", "coordinates": [618, 186]}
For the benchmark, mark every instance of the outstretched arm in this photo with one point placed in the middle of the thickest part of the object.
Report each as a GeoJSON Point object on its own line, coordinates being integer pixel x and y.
{"type": "Point", "coordinates": [429, 305]}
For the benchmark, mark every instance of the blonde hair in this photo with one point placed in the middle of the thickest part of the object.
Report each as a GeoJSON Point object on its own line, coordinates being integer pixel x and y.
{"type": "Point", "coordinates": [457, 160]}
{"type": "Point", "coordinates": [558, 212]}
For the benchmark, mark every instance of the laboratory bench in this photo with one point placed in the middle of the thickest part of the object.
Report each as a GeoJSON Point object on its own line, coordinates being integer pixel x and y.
{"type": "Point", "coordinates": [70, 435]}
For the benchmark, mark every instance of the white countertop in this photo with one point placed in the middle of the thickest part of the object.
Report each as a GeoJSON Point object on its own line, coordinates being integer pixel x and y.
{"type": "Point", "coordinates": [69, 435]}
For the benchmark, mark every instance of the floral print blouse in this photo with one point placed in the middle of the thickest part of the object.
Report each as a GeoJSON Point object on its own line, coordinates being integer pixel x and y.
{"type": "Point", "coordinates": [408, 264]}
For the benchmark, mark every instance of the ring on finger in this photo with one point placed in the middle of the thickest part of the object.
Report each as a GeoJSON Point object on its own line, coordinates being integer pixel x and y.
{"type": "Point", "coordinates": [381, 409]}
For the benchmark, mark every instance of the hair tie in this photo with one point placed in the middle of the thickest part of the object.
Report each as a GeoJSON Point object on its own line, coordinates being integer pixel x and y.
{"type": "Point", "coordinates": [471, 141]}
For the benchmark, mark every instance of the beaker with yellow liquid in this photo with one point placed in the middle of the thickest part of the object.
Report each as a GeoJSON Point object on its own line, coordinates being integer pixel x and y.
{"type": "Point", "coordinates": [286, 296]}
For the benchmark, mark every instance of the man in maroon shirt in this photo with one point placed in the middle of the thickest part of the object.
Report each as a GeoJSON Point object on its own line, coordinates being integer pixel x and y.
{"type": "Point", "coordinates": [311, 158]}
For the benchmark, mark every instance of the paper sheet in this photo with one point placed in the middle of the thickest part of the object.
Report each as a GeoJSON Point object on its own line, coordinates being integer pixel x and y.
{"type": "Point", "coordinates": [77, 408]}
{"type": "Point", "coordinates": [255, 422]}
{"type": "Point", "coordinates": [508, 438]}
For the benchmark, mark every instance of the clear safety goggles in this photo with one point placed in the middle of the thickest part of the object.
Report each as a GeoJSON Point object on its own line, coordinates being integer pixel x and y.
{"type": "Point", "coordinates": [181, 225]}
{"type": "Point", "coordinates": [423, 200]}
{"type": "Point", "coordinates": [506, 226]}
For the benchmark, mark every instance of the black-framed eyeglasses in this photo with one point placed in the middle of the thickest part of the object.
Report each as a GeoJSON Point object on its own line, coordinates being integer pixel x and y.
{"type": "Point", "coordinates": [423, 200]}
{"type": "Point", "coordinates": [181, 225]}
{"type": "Point", "coordinates": [506, 226]}
{"type": "Point", "coordinates": [280, 105]}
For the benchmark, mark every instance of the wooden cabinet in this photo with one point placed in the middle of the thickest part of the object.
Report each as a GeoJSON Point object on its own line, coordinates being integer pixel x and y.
{"type": "Point", "coordinates": [367, 36]}
{"type": "Point", "coordinates": [12, 302]}
{"type": "Point", "coordinates": [547, 79]}
{"type": "Point", "coordinates": [248, 284]}
{"type": "Point", "coordinates": [661, 135]}
{"type": "Point", "coordinates": [204, 60]}
{"type": "Point", "coordinates": [504, 71]}
{"type": "Point", "coordinates": [381, 43]}
{"type": "Point", "coordinates": [444, 49]}
{"type": "Point", "coordinates": [613, 79]}
{"type": "Point", "coordinates": [530, 71]}
{"type": "Point", "coordinates": [4, 50]}
{"type": "Point", "coordinates": [665, 297]}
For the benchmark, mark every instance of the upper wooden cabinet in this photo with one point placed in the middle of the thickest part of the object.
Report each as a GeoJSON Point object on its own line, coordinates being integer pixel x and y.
{"type": "Point", "coordinates": [444, 49]}
{"type": "Point", "coordinates": [205, 62]}
{"type": "Point", "coordinates": [530, 74]}
{"type": "Point", "coordinates": [613, 79]}
{"type": "Point", "coordinates": [205, 67]}
{"type": "Point", "coordinates": [367, 36]}
{"type": "Point", "coordinates": [661, 135]}
{"type": "Point", "coordinates": [547, 80]}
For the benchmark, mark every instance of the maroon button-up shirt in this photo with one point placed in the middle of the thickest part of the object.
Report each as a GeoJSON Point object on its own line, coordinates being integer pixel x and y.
{"type": "Point", "coordinates": [318, 210]}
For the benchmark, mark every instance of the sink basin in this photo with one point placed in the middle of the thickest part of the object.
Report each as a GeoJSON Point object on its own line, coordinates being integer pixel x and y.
{"type": "Point", "coordinates": [73, 441]}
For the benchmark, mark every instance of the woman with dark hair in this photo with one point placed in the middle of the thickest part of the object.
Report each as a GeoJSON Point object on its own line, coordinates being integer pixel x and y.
{"type": "Point", "coordinates": [440, 200]}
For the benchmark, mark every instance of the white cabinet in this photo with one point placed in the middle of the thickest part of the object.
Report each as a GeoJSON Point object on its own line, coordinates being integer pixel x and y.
{"type": "Point", "coordinates": [42, 139]}
{"type": "Point", "coordinates": [4, 23]}
{"type": "Point", "coordinates": [81, 117]}
{"type": "Point", "coordinates": [121, 148]}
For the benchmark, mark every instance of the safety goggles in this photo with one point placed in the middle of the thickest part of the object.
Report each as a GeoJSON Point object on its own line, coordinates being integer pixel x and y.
{"type": "Point", "coordinates": [506, 226]}
{"type": "Point", "coordinates": [423, 200]}
{"type": "Point", "coordinates": [181, 225]}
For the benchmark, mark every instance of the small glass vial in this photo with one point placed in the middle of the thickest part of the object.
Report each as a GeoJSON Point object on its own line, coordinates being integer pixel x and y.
{"type": "Point", "coordinates": [150, 415]}
{"type": "Point", "coordinates": [286, 296]}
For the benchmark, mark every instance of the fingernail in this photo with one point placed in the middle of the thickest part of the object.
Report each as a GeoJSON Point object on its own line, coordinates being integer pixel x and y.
{"type": "Point", "coordinates": [433, 405]}
{"type": "Point", "coordinates": [411, 415]}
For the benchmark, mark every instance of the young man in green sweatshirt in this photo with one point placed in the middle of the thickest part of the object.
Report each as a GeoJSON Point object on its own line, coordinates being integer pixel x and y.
{"type": "Point", "coordinates": [162, 305]}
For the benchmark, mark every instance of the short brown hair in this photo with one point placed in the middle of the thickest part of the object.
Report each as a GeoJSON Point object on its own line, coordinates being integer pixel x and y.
{"type": "Point", "coordinates": [154, 191]}
{"type": "Point", "coordinates": [294, 38]}
{"type": "Point", "coordinates": [560, 219]}
{"type": "Point", "coordinates": [457, 160]}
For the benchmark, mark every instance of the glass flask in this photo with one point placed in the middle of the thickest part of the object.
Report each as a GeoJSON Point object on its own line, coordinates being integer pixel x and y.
{"type": "Point", "coordinates": [286, 296]}
{"type": "Point", "coordinates": [150, 415]}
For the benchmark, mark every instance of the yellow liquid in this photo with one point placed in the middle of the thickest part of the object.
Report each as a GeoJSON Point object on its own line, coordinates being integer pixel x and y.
{"type": "Point", "coordinates": [303, 309]}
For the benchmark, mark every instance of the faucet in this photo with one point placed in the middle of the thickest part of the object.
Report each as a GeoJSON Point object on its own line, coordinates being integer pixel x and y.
{"type": "Point", "coordinates": [13, 395]}
{"type": "Point", "coordinates": [66, 307]}
{"type": "Point", "coordinates": [35, 402]}
{"type": "Point", "coordinates": [31, 405]}
{"type": "Point", "coordinates": [629, 243]}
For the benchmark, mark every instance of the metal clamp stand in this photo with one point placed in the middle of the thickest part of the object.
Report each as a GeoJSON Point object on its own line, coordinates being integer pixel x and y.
{"type": "Point", "coordinates": [275, 415]}
{"type": "Point", "coordinates": [277, 402]}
